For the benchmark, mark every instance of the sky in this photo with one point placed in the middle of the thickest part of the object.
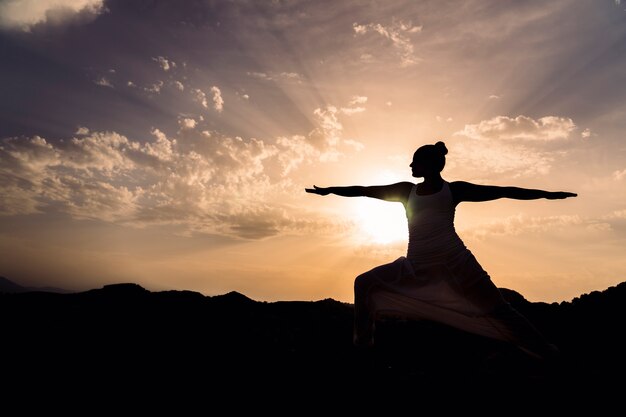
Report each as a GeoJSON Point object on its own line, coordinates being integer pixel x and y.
{"type": "Point", "coordinates": [169, 143]}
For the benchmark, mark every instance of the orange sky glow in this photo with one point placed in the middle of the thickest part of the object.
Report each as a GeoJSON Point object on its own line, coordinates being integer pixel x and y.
{"type": "Point", "coordinates": [170, 144]}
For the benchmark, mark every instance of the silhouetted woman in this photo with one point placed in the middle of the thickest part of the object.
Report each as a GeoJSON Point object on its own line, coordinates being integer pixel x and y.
{"type": "Point", "coordinates": [439, 279]}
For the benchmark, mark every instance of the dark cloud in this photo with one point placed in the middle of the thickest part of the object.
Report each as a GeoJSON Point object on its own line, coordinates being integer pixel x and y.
{"type": "Point", "coordinates": [39, 16]}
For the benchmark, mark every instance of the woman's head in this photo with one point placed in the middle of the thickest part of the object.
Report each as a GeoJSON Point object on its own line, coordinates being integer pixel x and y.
{"type": "Point", "coordinates": [429, 159]}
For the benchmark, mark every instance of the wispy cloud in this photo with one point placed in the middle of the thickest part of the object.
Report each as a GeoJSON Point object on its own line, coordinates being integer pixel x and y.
{"type": "Point", "coordinates": [103, 82]}
{"type": "Point", "coordinates": [324, 143]}
{"type": "Point", "coordinates": [619, 175]}
{"type": "Point", "coordinates": [515, 146]}
{"type": "Point", "coordinates": [520, 128]}
{"type": "Point", "coordinates": [276, 76]}
{"type": "Point", "coordinates": [358, 100]}
{"type": "Point", "coordinates": [521, 223]}
{"type": "Point", "coordinates": [497, 159]}
{"type": "Point", "coordinates": [355, 105]}
{"type": "Point", "coordinates": [398, 33]}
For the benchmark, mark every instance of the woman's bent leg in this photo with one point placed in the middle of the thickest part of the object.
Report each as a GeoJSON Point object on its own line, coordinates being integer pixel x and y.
{"type": "Point", "coordinates": [363, 285]}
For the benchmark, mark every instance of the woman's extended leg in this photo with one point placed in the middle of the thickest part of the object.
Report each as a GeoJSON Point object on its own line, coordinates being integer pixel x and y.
{"type": "Point", "coordinates": [507, 323]}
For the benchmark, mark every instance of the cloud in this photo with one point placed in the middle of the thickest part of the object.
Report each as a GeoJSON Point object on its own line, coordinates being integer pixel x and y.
{"type": "Point", "coordinates": [564, 224]}
{"type": "Point", "coordinates": [187, 123]}
{"type": "Point", "coordinates": [617, 214]}
{"type": "Point", "coordinates": [585, 134]}
{"type": "Point", "coordinates": [367, 58]}
{"type": "Point", "coordinates": [511, 146]}
{"type": "Point", "coordinates": [179, 85]}
{"type": "Point", "coordinates": [328, 134]}
{"type": "Point", "coordinates": [397, 33]}
{"type": "Point", "coordinates": [354, 105]}
{"type": "Point", "coordinates": [108, 177]}
{"type": "Point", "coordinates": [203, 181]}
{"type": "Point", "coordinates": [24, 15]}
{"type": "Point", "coordinates": [276, 76]}
{"type": "Point", "coordinates": [619, 175]}
{"type": "Point", "coordinates": [260, 75]}
{"type": "Point", "coordinates": [518, 224]}
{"type": "Point", "coordinates": [218, 101]}
{"type": "Point", "coordinates": [352, 110]}
{"type": "Point", "coordinates": [496, 159]}
{"type": "Point", "coordinates": [356, 145]}
{"type": "Point", "coordinates": [520, 128]}
{"type": "Point", "coordinates": [328, 138]}
{"type": "Point", "coordinates": [82, 131]}
{"type": "Point", "coordinates": [103, 82]}
{"type": "Point", "coordinates": [200, 97]}
{"type": "Point", "coordinates": [164, 63]}
{"type": "Point", "coordinates": [290, 75]}
{"type": "Point", "coordinates": [154, 88]}
{"type": "Point", "coordinates": [494, 97]}
{"type": "Point", "coordinates": [358, 100]}
{"type": "Point", "coordinates": [325, 143]}
{"type": "Point", "coordinates": [294, 151]}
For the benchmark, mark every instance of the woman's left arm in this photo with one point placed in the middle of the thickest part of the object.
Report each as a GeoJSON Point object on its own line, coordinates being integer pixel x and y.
{"type": "Point", "coordinates": [465, 191]}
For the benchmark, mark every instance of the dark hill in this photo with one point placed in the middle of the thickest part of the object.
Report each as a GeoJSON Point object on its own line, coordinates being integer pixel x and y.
{"type": "Point", "coordinates": [127, 334]}
{"type": "Point", "coordinates": [7, 286]}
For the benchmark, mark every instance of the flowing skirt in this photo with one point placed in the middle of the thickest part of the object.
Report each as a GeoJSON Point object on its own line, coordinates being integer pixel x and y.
{"type": "Point", "coordinates": [458, 293]}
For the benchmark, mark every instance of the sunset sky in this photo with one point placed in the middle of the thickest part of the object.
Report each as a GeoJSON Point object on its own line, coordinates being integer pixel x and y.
{"type": "Point", "coordinates": [169, 143]}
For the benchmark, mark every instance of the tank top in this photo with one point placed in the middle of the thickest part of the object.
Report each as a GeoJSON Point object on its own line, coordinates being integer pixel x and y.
{"type": "Point", "coordinates": [432, 237]}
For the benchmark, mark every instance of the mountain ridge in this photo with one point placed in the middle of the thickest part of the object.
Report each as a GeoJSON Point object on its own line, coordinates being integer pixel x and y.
{"type": "Point", "coordinates": [8, 286]}
{"type": "Point", "coordinates": [124, 329]}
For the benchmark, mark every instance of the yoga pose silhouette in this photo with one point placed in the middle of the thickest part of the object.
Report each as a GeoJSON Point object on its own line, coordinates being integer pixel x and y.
{"type": "Point", "coordinates": [439, 279]}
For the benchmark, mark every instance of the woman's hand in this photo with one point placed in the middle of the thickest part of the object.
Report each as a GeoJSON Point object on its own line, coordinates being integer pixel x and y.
{"type": "Point", "coordinates": [559, 195]}
{"type": "Point", "coordinates": [318, 190]}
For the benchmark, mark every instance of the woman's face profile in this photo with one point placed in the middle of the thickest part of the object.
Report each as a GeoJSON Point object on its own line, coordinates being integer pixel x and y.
{"type": "Point", "coordinates": [418, 167]}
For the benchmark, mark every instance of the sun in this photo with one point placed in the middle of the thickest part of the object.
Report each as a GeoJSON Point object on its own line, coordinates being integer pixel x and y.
{"type": "Point", "coordinates": [382, 222]}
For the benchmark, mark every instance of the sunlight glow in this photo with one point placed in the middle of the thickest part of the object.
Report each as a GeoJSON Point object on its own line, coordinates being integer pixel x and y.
{"type": "Point", "coordinates": [381, 221]}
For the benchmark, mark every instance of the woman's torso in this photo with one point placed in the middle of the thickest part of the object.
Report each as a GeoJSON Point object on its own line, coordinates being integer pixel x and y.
{"type": "Point", "coordinates": [432, 237]}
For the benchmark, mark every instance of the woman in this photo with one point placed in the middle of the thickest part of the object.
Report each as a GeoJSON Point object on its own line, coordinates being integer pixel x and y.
{"type": "Point", "coordinates": [439, 279]}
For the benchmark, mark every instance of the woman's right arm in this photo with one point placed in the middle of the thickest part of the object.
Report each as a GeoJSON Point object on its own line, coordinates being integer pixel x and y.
{"type": "Point", "coordinates": [392, 192]}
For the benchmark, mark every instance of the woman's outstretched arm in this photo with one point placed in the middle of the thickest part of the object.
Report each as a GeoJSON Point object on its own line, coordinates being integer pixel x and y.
{"type": "Point", "coordinates": [465, 191]}
{"type": "Point", "coordinates": [392, 192]}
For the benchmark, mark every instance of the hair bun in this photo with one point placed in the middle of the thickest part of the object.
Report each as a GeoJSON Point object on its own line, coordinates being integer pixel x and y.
{"type": "Point", "coordinates": [441, 147]}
